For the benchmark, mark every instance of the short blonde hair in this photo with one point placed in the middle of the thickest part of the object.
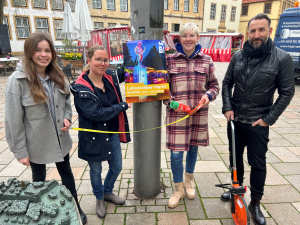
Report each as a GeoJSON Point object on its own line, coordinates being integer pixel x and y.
{"type": "Point", "coordinates": [189, 27]}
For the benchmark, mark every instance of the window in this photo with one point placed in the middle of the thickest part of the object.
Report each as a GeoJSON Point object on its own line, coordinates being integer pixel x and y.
{"type": "Point", "coordinates": [165, 4]}
{"type": "Point", "coordinates": [213, 11]}
{"type": "Point", "coordinates": [98, 25]}
{"type": "Point", "coordinates": [58, 26]}
{"type": "Point", "coordinates": [268, 8]}
{"type": "Point", "coordinates": [42, 25]}
{"type": "Point", "coordinates": [176, 4]}
{"type": "Point", "coordinates": [223, 12]}
{"type": "Point", "coordinates": [112, 36]}
{"type": "Point", "coordinates": [165, 26]}
{"type": "Point", "coordinates": [5, 21]}
{"type": "Point", "coordinates": [210, 30]}
{"type": "Point", "coordinates": [96, 4]}
{"type": "Point", "coordinates": [124, 37]}
{"type": "Point", "coordinates": [111, 4]}
{"type": "Point", "coordinates": [39, 4]}
{"type": "Point", "coordinates": [175, 27]}
{"type": "Point", "coordinates": [283, 6]}
{"type": "Point", "coordinates": [196, 5]}
{"type": "Point", "coordinates": [111, 24]}
{"type": "Point", "coordinates": [124, 24]}
{"type": "Point", "coordinates": [58, 4]}
{"type": "Point", "coordinates": [19, 3]}
{"type": "Point", "coordinates": [123, 5]}
{"type": "Point", "coordinates": [22, 24]}
{"type": "Point", "coordinates": [286, 5]}
{"type": "Point", "coordinates": [186, 5]}
{"type": "Point", "coordinates": [244, 10]}
{"type": "Point", "coordinates": [233, 11]}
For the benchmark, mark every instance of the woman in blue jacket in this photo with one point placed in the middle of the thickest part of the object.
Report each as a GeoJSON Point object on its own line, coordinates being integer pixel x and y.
{"type": "Point", "coordinates": [99, 104]}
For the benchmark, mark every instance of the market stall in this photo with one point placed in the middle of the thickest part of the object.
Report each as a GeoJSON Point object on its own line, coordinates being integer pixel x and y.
{"type": "Point", "coordinates": [220, 46]}
{"type": "Point", "coordinates": [112, 39]}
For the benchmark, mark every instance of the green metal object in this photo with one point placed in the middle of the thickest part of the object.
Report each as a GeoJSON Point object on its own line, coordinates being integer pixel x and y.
{"type": "Point", "coordinates": [42, 203]}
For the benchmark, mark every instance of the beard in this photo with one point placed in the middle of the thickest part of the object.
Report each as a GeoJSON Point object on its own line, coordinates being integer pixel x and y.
{"type": "Point", "coordinates": [262, 41]}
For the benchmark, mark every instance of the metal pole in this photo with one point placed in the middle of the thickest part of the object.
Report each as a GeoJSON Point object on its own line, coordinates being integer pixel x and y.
{"type": "Point", "coordinates": [147, 24]}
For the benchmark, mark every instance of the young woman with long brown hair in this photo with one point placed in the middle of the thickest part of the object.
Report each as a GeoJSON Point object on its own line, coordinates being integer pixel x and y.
{"type": "Point", "coordinates": [38, 113]}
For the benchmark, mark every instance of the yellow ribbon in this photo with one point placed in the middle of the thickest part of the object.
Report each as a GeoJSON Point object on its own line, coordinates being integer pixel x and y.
{"type": "Point", "coordinates": [112, 132]}
{"type": "Point", "coordinates": [201, 103]}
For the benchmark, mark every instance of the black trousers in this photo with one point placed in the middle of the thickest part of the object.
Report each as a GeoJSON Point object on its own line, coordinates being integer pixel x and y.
{"type": "Point", "coordinates": [64, 170]}
{"type": "Point", "coordinates": [256, 139]}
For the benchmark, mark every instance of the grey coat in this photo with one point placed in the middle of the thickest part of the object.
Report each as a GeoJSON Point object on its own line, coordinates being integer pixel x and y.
{"type": "Point", "coordinates": [29, 127]}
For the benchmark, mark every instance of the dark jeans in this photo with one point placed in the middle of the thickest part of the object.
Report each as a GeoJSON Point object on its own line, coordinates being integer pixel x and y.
{"type": "Point", "coordinates": [256, 139]}
{"type": "Point", "coordinates": [64, 169]}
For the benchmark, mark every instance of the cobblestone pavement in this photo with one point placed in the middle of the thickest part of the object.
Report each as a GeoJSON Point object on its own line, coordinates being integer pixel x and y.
{"type": "Point", "coordinates": [280, 204]}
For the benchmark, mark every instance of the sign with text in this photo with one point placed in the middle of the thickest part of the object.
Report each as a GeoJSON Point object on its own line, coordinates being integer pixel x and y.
{"type": "Point", "coordinates": [146, 77]}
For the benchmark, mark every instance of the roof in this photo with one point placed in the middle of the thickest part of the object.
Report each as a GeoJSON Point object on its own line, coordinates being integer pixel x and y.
{"type": "Point", "coordinates": [115, 28]}
{"type": "Point", "coordinates": [291, 12]}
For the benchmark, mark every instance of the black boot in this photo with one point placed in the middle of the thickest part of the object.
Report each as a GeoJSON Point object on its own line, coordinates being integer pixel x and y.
{"type": "Point", "coordinates": [257, 216]}
{"type": "Point", "coordinates": [81, 213]}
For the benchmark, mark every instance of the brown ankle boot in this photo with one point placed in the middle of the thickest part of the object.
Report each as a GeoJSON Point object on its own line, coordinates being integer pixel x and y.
{"type": "Point", "coordinates": [188, 184]}
{"type": "Point", "coordinates": [177, 195]}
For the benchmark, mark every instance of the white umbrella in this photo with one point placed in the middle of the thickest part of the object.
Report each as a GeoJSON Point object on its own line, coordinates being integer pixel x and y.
{"type": "Point", "coordinates": [68, 26]}
{"type": "Point", "coordinates": [83, 23]}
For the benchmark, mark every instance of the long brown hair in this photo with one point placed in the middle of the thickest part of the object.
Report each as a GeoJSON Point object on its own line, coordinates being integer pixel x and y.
{"type": "Point", "coordinates": [90, 54]}
{"type": "Point", "coordinates": [52, 70]}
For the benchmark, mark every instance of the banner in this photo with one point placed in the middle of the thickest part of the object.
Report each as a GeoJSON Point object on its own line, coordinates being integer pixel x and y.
{"type": "Point", "coordinates": [146, 77]}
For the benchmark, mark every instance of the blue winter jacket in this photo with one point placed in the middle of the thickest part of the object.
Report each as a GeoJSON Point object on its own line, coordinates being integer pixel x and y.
{"type": "Point", "coordinates": [94, 146]}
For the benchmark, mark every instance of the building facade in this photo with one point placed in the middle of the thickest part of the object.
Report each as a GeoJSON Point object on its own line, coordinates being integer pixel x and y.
{"type": "Point", "coordinates": [221, 16]}
{"type": "Point", "coordinates": [273, 8]}
{"type": "Point", "coordinates": [179, 12]}
{"type": "Point", "coordinates": [109, 13]}
{"type": "Point", "coordinates": [117, 13]}
{"type": "Point", "coordinates": [24, 17]}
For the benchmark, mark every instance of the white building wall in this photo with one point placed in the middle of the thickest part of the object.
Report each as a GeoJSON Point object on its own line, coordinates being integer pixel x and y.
{"type": "Point", "coordinates": [17, 45]}
{"type": "Point", "coordinates": [214, 24]}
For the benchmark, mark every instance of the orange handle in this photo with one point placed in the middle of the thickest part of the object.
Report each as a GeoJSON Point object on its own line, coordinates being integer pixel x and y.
{"type": "Point", "coordinates": [199, 106]}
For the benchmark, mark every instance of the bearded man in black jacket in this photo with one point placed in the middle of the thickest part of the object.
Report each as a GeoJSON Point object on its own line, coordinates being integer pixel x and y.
{"type": "Point", "coordinates": [253, 75]}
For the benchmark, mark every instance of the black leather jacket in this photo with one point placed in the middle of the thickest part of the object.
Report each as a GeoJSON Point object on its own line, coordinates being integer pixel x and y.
{"type": "Point", "coordinates": [253, 93]}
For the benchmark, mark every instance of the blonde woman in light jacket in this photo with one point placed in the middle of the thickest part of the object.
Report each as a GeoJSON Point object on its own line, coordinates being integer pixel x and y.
{"type": "Point", "coordinates": [38, 113]}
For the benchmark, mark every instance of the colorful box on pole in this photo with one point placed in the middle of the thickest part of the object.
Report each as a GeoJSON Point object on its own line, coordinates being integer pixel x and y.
{"type": "Point", "coordinates": [146, 77]}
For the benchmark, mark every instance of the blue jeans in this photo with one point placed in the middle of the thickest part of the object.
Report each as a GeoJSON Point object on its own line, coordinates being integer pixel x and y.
{"type": "Point", "coordinates": [177, 165]}
{"type": "Point", "coordinates": [115, 167]}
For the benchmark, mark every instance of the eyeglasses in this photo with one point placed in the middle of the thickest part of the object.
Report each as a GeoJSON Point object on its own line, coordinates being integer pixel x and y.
{"type": "Point", "coordinates": [99, 60]}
